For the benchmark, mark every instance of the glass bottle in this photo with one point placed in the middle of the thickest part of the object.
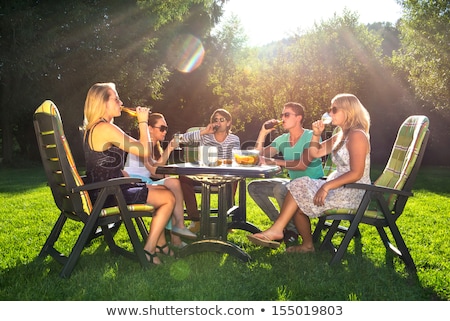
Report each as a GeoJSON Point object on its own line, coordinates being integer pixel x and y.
{"type": "Point", "coordinates": [273, 124]}
{"type": "Point", "coordinates": [132, 110]}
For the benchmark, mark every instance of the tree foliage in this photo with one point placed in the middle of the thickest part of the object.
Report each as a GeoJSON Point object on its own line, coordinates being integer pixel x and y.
{"type": "Point", "coordinates": [424, 54]}
{"type": "Point", "coordinates": [58, 49]}
{"type": "Point", "coordinates": [338, 55]}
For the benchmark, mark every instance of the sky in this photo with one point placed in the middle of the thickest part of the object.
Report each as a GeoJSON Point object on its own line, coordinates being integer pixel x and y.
{"type": "Point", "coordinates": [265, 21]}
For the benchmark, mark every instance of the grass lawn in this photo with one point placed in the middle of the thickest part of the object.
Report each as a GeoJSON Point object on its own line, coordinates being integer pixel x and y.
{"type": "Point", "coordinates": [366, 273]}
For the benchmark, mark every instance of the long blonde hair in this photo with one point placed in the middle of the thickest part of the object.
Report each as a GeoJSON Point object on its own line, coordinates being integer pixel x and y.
{"type": "Point", "coordinates": [95, 104]}
{"type": "Point", "coordinates": [357, 116]}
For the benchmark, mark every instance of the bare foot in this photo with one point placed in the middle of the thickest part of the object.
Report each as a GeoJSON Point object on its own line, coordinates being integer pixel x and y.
{"type": "Point", "coordinates": [175, 239]}
{"type": "Point", "coordinates": [269, 235]}
{"type": "Point", "coordinates": [300, 249]}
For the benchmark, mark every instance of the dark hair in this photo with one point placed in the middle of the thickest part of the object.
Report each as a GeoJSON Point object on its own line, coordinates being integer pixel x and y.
{"type": "Point", "coordinates": [297, 108]}
{"type": "Point", "coordinates": [157, 148]}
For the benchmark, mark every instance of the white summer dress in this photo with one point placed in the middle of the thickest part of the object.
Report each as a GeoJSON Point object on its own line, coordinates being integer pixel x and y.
{"type": "Point", "coordinates": [303, 189]}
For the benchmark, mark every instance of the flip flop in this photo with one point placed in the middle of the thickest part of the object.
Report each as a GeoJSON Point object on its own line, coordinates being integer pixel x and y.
{"type": "Point", "coordinates": [265, 242]}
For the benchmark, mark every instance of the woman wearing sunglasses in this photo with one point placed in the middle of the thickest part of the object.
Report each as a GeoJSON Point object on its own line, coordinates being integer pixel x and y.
{"type": "Point", "coordinates": [145, 169]}
{"type": "Point", "coordinates": [216, 133]}
{"type": "Point", "coordinates": [309, 198]}
{"type": "Point", "coordinates": [105, 147]}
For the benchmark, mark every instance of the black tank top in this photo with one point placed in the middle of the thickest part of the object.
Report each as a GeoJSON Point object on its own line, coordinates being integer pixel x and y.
{"type": "Point", "coordinates": [102, 166]}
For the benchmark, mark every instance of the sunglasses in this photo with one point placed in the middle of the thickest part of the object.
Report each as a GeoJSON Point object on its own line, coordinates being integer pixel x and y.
{"type": "Point", "coordinates": [287, 115]}
{"type": "Point", "coordinates": [333, 110]}
{"type": "Point", "coordinates": [221, 119]}
{"type": "Point", "coordinates": [162, 128]}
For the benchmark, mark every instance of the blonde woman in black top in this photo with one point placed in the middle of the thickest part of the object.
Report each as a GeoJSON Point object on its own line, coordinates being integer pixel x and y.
{"type": "Point", "coordinates": [105, 147]}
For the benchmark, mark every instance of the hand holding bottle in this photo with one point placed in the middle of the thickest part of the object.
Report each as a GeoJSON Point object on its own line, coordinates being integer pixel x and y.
{"type": "Point", "coordinates": [142, 114]}
{"type": "Point", "coordinates": [132, 110]}
{"type": "Point", "coordinates": [273, 123]}
{"type": "Point", "coordinates": [209, 129]}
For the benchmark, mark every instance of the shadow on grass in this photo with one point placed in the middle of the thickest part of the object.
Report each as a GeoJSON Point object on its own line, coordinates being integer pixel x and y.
{"type": "Point", "coordinates": [271, 275]}
{"type": "Point", "coordinates": [20, 180]}
{"type": "Point", "coordinates": [434, 180]}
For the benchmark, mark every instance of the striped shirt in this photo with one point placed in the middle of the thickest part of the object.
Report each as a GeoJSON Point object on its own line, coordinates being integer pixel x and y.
{"type": "Point", "coordinates": [224, 148]}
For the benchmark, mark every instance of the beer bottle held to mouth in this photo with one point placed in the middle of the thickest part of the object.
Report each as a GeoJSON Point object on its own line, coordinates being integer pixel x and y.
{"type": "Point", "coordinates": [132, 110]}
{"type": "Point", "coordinates": [272, 124]}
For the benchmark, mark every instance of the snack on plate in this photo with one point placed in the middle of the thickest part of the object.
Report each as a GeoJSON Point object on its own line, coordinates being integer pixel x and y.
{"type": "Point", "coordinates": [224, 162]}
{"type": "Point", "coordinates": [246, 157]}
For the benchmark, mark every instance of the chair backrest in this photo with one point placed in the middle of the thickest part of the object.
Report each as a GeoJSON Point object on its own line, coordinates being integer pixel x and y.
{"type": "Point", "coordinates": [59, 165]}
{"type": "Point", "coordinates": [190, 151]}
{"type": "Point", "coordinates": [405, 159]}
{"type": "Point", "coordinates": [192, 129]}
{"type": "Point", "coordinates": [328, 166]}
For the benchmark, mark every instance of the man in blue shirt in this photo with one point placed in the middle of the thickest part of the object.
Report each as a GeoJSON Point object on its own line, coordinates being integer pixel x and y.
{"type": "Point", "coordinates": [291, 146]}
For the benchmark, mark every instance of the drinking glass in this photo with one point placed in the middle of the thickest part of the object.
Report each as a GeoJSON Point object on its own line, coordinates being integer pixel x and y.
{"type": "Point", "coordinates": [326, 119]}
{"type": "Point", "coordinates": [213, 155]}
{"type": "Point", "coordinates": [208, 155]}
{"type": "Point", "coordinates": [177, 139]}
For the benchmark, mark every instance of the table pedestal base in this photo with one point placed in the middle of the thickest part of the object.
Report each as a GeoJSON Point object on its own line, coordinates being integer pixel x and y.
{"type": "Point", "coordinates": [214, 228]}
{"type": "Point", "coordinates": [238, 215]}
{"type": "Point", "coordinates": [211, 245]}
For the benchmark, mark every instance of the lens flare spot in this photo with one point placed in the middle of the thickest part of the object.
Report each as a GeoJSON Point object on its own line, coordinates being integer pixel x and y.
{"type": "Point", "coordinates": [187, 53]}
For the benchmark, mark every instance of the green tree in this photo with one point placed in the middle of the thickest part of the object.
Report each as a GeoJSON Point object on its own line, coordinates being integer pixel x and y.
{"type": "Point", "coordinates": [424, 55]}
{"type": "Point", "coordinates": [338, 55]}
{"type": "Point", "coordinates": [58, 49]}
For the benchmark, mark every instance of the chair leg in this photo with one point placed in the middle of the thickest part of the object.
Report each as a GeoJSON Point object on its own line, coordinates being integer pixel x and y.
{"type": "Point", "coordinates": [81, 242]}
{"type": "Point", "coordinates": [132, 233]}
{"type": "Point", "coordinates": [401, 250]}
{"type": "Point", "coordinates": [332, 229]}
{"type": "Point", "coordinates": [113, 227]}
{"type": "Point", "coordinates": [135, 241]}
{"type": "Point", "coordinates": [318, 230]}
{"type": "Point", "coordinates": [108, 235]}
{"type": "Point", "coordinates": [322, 224]}
{"type": "Point", "coordinates": [48, 248]}
{"type": "Point", "coordinates": [88, 229]}
{"type": "Point", "coordinates": [142, 229]}
{"type": "Point", "coordinates": [337, 257]}
{"type": "Point", "coordinates": [352, 229]}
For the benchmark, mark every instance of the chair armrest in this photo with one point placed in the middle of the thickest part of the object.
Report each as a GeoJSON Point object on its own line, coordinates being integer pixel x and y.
{"type": "Point", "coordinates": [111, 182]}
{"type": "Point", "coordinates": [380, 189]}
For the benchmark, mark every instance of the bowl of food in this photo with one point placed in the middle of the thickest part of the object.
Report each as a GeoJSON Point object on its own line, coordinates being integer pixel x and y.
{"type": "Point", "coordinates": [246, 157]}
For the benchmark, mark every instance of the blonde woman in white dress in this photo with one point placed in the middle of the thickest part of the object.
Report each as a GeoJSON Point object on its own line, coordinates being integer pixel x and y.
{"type": "Point", "coordinates": [309, 198]}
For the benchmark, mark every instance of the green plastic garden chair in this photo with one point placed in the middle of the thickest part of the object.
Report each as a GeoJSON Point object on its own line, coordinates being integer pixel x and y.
{"type": "Point", "coordinates": [72, 198]}
{"type": "Point", "coordinates": [385, 199]}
